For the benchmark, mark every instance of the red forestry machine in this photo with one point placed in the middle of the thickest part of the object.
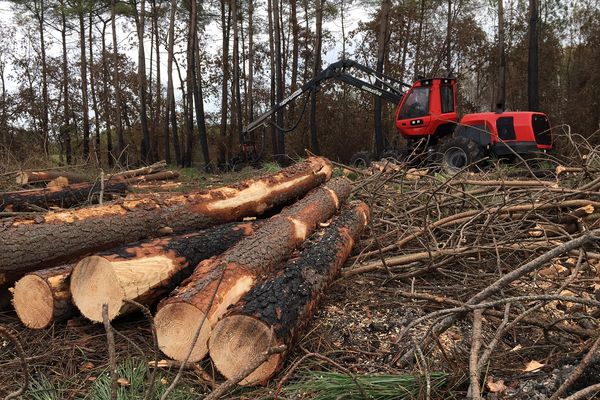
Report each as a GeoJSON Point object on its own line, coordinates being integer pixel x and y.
{"type": "Point", "coordinates": [426, 117]}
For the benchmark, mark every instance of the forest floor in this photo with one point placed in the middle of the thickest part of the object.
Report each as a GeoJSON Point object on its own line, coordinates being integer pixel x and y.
{"type": "Point", "coordinates": [395, 324]}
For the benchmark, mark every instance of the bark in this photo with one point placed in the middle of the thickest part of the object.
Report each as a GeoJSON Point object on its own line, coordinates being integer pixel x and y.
{"type": "Point", "coordinates": [237, 98]}
{"type": "Point", "coordinates": [69, 234]}
{"type": "Point", "coordinates": [295, 54]}
{"type": "Point", "coordinates": [219, 282]}
{"type": "Point", "coordinates": [93, 91]}
{"type": "Point", "coordinates": [382, 40]}
{"type": "Point", "coordinates": [144, 271]}
{"type": "Point", "coordinates": [84, 88]}
{"type": "Point", "coordinates": [225, 29]}
{"type": "Point", "coordinates": [314, 139]}
{"type": "Point", "coordinates": [532, 59]}
{"type": "Point", "coordinates": [156, 121]}
{"type": "Point", "coordinates": [106, 95]}
{"type": "Point", "coordinates": [199, 103]}
{"type": "Point", "coordinates": [501, 100]}
{"type": "Point", "coordinates": [277, 311]}
{"type": "Point", "coordinates": [117, 81]}
{"type": "Point", "coordinates": [156, 167]}
{"type": "Point", "coordinates": [43, 297]}
{"type": "Point", "coordinates": [272, 95]}
{"type": "Point", "coordinates": [142, 85]}
{"type": "Point", "coordinates": [250, 94]}
{"type": "Point", "coordinates": [170, 89]}
{"type": "Point", "coordinates": [45, 99]}
{"type": "Point", "coordinates": [278, 82]}
{"type": "Point", "coordinates": [24, 178]}
{"type": "Point", "coordinates": [63, 197]}
{"type": "Point", "coordinates": [65, 131]}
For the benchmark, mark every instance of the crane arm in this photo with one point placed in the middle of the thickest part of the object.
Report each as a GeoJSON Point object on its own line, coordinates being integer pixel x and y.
{"type": "Point", "coordinates": [380, 85]}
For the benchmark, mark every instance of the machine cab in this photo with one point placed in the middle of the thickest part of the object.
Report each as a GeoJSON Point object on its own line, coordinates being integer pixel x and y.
{"type": "Point", "coordinates": [428, 108]}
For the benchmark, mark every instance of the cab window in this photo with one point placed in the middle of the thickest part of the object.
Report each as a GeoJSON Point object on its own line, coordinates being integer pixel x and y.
{"type": "Point", "coordinates": [416, 105]}
{"type": "Point", "coordinates": [447, 99]}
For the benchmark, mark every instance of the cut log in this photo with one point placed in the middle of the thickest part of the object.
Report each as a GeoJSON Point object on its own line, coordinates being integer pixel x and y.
{"type": "Point", "coordinates": [219, 282]}
{"type": "Point", "coordinates": [43, 297]}
{"type": "Point", "coordinates": [145, 271]}
{"type": "Point", "coordinates": [151, 169]}
{"type": "Point", "coordinates": [24, 178]}
{"type": "Point", "coordinates": [277, 310]}
{"type": "Point", "coordinates": [61, 236]}
{"type": "Point", "coordinates": [157, 176]}
{"type": "Point", "coordinates": [64, 197]}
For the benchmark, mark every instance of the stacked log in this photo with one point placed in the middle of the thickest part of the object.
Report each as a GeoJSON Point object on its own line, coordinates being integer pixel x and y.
{"type": "Point", "coordinates": [276, 311]}
{"type": "Point", "coordinates": [218, 283]}
{"type": "Point", "coordinates": [62, 236]}
{"type": "Point", "coordinates": [28, 177]}
{"type": "Point", "coordinates": [145, 271]}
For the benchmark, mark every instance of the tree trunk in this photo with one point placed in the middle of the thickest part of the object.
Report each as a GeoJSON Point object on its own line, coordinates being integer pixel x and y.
{"type": "Point", "coordinates": [501, 100]}
{"type": "Point", "coordinates": [145, 271]}
{"type": "Point", "coordinates": [533, 88]}
{"type": "Point", "coordinates": [277, 311]}
{"type": "Point", "coordinates": [45, 100]}
{"type": "Point", "coordinates": [84, 88]}
{"type": "Point", "coordinates": [314, 139]}
{"type": "Point", "coordinates": [199, 103]}
{"type": "Point", "coordinates": [73, 233]}
{"type": "Point", "coordinates": [142, 85]}
{"type": "Point", "coordinates": [250, 93]}
{"type": "Point", "coordinates": [219, 282]}
{"type": "Point", "coordinates": [43, 297]}
{"type": "Point", "coordinates": [170, 89]}
{"type": "Point", "coordinates": [191, 56]}
{"type": "Point", "coordinates": [278, 83]}
{"type": "Point", "coordinates": [225, 28]}
{"type": "Point", "coordinates": [272, 95]}
{"type": "Point", "coordinates": [382, 39]}
{"type": "Point", "coordinates": [157, 108]}
{"type": "Point", "coordinates": [295, 53]}
{"type": "Point", "coordinates": [106, 100]}
{"type": "Point", "coordinates": [65, 130]}
{"type": "Point", "coordinates": [419, 39]}
{"type": "Point", "coordinates": [63, 197]}
{"type": "Point", "coordinates": [449, 39]}
{"type": "Point", "coordinates": [116, 81]}
{"type": "Point", "coordinates": [237, 98]}
{"type": "Point", "coordinates": [93, 92]}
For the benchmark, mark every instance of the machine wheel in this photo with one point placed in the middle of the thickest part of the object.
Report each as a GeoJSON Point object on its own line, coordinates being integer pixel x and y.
{"type": "Point", "coordinates": [362, 159]}
{"type": "Point", "coordinates": [458, 153]}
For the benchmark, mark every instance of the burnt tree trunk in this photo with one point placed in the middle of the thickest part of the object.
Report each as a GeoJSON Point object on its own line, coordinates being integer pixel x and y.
{"type": "Point", "coordinates": [60, 236]}
{"type": "Point", "coordinates": [43, 297]}
{"type": "Point", "coordinates": [64, 197]}
{"type": "Point", "coordinates": [278, 309]}
{"type": "Point", "coordinates": [219, 282]}
{"type": "Point", "coordinates": [145, 271]}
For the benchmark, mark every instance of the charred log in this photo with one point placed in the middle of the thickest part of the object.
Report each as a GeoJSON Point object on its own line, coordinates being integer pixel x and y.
{"type": "Point", "coordinates": [145, 271]}
{"type": "Point", "coordinates": [277, 310]}
{"type": "Point", "coordinates": [219, 282]}
{"type": "Point", "coordinates": [61, 236]}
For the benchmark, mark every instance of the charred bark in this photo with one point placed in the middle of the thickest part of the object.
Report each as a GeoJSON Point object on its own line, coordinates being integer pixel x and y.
{"type": "Point", "coordinates": [145, 271]}
{"type": "Point", "coordinates": [219, 282]}
{"type": "Point", "coordinates": [60, 236]}
{"type": "Point", "coordinates": [277, 310]}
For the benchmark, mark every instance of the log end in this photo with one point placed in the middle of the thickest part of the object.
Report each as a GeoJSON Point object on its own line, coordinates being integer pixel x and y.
{"type": "Point", "coordinates": [34, 302]}
{"type": "Point", "coordinates": [176, 325]}
{"type": "Point", "coordinates": [93, 284]}
{"type": "Point", "coordinates": [238, 342]}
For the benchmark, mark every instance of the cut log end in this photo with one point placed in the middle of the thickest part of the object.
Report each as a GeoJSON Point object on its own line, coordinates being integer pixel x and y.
{"type": "Point", "coordinates": [94, 283]}
{"type": "Point", "coordinates": [239, 341]}
{"type": "Point", "coordinates": [34, 302]}
{"type": "Point", "coordinates": [176, 325]}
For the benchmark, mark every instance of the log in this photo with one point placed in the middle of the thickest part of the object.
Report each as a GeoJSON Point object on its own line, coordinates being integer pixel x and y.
{"type": "Point", "coordinates": [276, 311]}
{"type": "Point", "coordinates": [63, 197]}
{"type": "Point", "coordinates": [62, 236]}
{"type": "Point", "coordinates": [150, 169]}
{"type": "Point", "coordinates": [43, 297]}
{"type": "Point", "coordinates": [156, 176]}
{"type": "Point", "coordinates": [144, 271]}
{"type": "Point", "coordinates": [219, 282]}
{"type": "Point", "coordinates": [24, 178]}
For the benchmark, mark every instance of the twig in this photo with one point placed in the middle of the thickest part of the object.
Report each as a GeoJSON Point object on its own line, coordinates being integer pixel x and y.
{"type": "Point", "coordinates": [583, 393]}
{"type": "Point", "coordinates": [112, 358]}
{"type": "Point", "coordinates": [21, 353]}
{"type": "Point", "coordinates": [474, 388]}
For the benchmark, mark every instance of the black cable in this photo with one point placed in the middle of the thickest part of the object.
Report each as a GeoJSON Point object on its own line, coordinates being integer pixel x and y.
{"type": "Point", "coordinates": [299, 117]}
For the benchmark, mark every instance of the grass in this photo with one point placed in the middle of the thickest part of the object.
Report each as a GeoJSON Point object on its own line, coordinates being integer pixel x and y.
{"type": "Point", "coordinates": [326, 385]}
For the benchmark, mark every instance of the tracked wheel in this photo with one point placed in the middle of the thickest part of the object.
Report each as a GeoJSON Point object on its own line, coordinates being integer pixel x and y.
{"type": "Point", "coordinates": [362, 159]}
{"type": "Point", "coordinates": [458, 153]}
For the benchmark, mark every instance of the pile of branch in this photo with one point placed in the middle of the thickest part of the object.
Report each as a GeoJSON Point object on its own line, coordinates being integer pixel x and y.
{"type": "Point", "coordinates": [66, 190]}
{"type": "Point", "coordinates": [485, 257]}
{"type": "Point", "coordinates": [220, 275]}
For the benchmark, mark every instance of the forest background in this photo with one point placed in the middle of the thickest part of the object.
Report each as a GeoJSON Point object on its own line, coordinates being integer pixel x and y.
{"type": "Point", "coordinates": [207, 68]}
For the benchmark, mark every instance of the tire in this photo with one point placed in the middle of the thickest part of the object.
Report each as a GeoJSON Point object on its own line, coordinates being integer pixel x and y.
{"type": "Point", "coordinates": [458, 153]}
{"type": "Point", "coordinates": [362, 159]}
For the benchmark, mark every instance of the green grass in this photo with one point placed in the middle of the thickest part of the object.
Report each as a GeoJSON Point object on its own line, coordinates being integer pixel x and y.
{"type": "Point", "coordinates": [325, 385]}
